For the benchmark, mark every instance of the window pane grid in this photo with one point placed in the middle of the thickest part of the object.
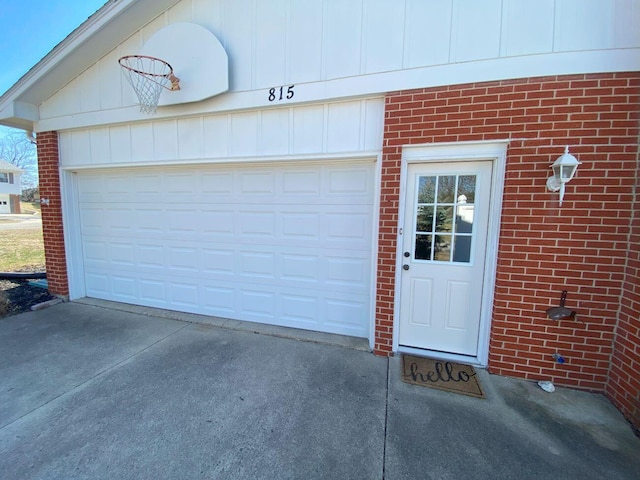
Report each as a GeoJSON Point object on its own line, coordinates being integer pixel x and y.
{"type": "Point", "coordinates": [444, 218]}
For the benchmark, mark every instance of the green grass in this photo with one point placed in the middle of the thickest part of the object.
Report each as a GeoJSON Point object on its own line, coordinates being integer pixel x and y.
{"type": "Point", "coordinates": [21, 249]}
{"type": "Point", "coordinates": [29, 208]}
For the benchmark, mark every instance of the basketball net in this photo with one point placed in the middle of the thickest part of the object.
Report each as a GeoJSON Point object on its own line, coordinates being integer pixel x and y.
{"type": "Point", "coordinates": [148, 76]}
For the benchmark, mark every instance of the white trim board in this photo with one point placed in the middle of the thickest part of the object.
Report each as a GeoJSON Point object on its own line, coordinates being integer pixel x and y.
{"type": "Point", "coordinates": [306, 158]}
{"type": "Point", "coordinates": [496, 151]}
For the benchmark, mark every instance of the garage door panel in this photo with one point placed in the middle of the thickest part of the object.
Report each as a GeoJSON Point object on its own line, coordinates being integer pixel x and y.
{"type": "Point", "coordinates": [124, 287]}
{"type": "Point", "coordinates": [344, 313]}
{"type": "Point", "coordinates": [286, 245]}
{"type": "Point", "coordinates": [218, 300]}
{"type": "Point", "coordinates": [256, 223]}
{"type": "Point", "coordinates": [183, 259]}
{"type": "Point", "coordinates": [257, 183]}
{"type": "Point", "coordinates": [96, 252]}
{"type": "Point", "coordinates": [184, 294]}
{"type": "Point", "coordinates": [296, 182]}
{"type": "Point", "coordinates": [336, 312]}
{"type": "Point", "coordinates": [216, 184]}
{"type": "Point", "coordinates": [218, 262]}
{"type": "Point", "coordinates": [152, 292]}
{"type": "Point", "coordinates": [301, 185]}
{"type": "Point", "coordinates": [330, 226]}
{"type": "Point", "coordinates": [352, 181]}
{"type": "Point", "coordinates": [97, 285]}
{"type": "Point", "coordinates": [300, 309]}
{"type": "Point", "coordinates": [325, 269]}
{"type": "Point", "coordinates": [257, 265]}
{"type": "Point", "coordinates": [122, 254]}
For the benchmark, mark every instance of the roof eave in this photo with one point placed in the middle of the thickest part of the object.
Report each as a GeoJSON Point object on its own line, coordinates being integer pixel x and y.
{"type": "Point", "coordinates": [97, 36]}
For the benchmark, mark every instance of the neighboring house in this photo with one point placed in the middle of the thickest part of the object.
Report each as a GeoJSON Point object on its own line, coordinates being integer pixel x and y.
{"type": "Point", "coordinates": [10, 188]}
{"type": "Point", "coordinates": [376, 169]}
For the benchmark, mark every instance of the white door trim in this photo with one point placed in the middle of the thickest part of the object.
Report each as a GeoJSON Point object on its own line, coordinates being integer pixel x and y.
{"type": "Point", "coordinates": [496, 152]}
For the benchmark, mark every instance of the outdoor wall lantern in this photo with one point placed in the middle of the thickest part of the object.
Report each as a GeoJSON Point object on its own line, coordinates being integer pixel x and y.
{"type": "Point", "coordinates": [564, 168]}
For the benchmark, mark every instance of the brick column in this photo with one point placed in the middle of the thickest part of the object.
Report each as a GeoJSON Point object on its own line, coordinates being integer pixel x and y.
{"type": "Point", "coordinates": [623, 385]}
{"type": "Point", "coordinates": [52, 229]}
{"type": "Point", "coordinates": [387, 237]}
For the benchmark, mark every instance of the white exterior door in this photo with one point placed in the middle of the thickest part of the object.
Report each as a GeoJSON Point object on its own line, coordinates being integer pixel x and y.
{"type": "Point", "coordinates": [443, 256]}
{"type": "Point", "coordinates": [281, 244]}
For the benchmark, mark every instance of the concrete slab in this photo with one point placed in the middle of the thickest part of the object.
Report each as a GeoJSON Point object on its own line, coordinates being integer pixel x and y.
{"type": "Point", "coordinates": [518, 431]}
{"type": "Point", "coordinates": [94, 392]}
{"type": "Point", "coordinates": [47, 353]}
{"type": "Point", "coordinates": [210, 403]}
{"type": "Point", "coordinates": [262, 328]}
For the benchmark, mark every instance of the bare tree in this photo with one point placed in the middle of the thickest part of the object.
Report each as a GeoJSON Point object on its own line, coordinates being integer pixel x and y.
{"type": "Point", "coordinates": [18, 150]}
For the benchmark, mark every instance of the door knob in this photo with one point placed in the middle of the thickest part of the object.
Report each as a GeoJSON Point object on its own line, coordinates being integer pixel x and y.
{"type": "Point", "coordinates": [405, 267]}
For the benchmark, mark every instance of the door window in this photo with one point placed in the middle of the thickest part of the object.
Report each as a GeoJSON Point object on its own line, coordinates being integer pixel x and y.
{"type": "Point", "coordinates": [444, 218]}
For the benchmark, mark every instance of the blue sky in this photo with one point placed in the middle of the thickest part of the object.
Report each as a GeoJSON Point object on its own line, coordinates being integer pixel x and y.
{"type": "Point", "coordinates": [29, 29]}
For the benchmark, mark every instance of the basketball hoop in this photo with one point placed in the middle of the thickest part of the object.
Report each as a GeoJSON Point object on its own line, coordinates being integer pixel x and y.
{"type": "Point", "coordinates": [148, 76]}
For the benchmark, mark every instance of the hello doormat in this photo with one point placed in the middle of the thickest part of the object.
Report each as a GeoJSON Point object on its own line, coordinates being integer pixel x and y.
{"type": "Point", "coordinates": [449, 376]}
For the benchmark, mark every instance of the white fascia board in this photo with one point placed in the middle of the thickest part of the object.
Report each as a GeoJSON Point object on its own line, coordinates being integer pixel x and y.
{"type": "Point", "coordinates": [94, 38]}
{"type": "Point", "coordinates": [583, 62]}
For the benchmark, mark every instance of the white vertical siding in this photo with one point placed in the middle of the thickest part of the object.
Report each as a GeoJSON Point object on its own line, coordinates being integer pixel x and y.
{"type": "Point", "coordinates": [243, 133]}
{"type": "Point", "coordinates": [305, 41]}
{"type": "Point", "coordinates": [335, 128]}
{"type": "Point", "coordinates": [307, 123]}
{"type": "Point", "coordinates": [283, 42]}
{"type": "Point", "coordinates": [583, 25]}
{"type": "Point", "coordinates": [342, 38]}
{"type": "Point", "coordinates": [270, 43]}
{"type": "Point", "coordinates": [627, 24]}
{"type": "Point", "coordinates": [342, 135]}
{"type": "Point", "coordinates": [383, 39]}
{"type": "Point", "coordinates": [99, 146]}
{"type": "Point", "coordinates": [190, 138]}
{"type": "Point", "coordinates": [475, 30]}
{"type": "Point", "coordinates": [141, 143]}
{"type": "Point", "coordinates": [216, 139]}
{"type": "Point", "coordinates": [427, 33]}
{"type": "Point", "coordinates": [109, 81]}
{"type": "Point", "coordinates": [529, 27]}
{"type": "Point", "coordinates": [238, 42]}
{"type": "Point", "coordinates": [165, 140]}
{"type": "Point", "coordinates": [120, 143]}
{"type": "Point", "coordinates": [274, 131]}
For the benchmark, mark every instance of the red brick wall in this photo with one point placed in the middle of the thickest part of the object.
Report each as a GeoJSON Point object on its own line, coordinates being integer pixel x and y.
{"type": "Point", "coordinates": [52, 230]}
{"type": "Point", "coordinates": [544, 249]}
{"type": "Point", "coordinates": [624, 379]}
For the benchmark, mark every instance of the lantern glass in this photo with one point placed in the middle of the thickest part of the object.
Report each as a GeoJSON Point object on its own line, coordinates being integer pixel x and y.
{"type": "Point", "coordinates": [564, 168]}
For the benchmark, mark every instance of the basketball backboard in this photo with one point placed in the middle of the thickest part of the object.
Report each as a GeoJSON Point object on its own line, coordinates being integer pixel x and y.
{"type": "Point", "coordinates": [198, 60]}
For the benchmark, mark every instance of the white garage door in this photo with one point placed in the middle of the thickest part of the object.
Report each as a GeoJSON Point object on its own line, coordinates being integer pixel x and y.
{"type": "Point", "coordinates": [281, 244]}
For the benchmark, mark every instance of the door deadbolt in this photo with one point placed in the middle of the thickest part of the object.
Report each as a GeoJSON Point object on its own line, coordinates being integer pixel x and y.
{"type": "Point", "coordinates": [407, 254]}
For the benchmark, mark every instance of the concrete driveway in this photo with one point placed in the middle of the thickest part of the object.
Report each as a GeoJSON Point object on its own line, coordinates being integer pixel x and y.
{"type": "Point", "coordinates": [93, 392]}
{"type": "Point", "coordinates": [20, 222]}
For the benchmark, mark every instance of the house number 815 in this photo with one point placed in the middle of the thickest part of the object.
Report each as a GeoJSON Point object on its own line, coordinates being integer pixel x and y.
{"type": "Point", "coordinates": [279, 93]}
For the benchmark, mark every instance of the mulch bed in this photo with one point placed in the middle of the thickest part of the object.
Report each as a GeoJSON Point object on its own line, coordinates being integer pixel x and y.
{"type": "Point", "coordinates": [17, 296]}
